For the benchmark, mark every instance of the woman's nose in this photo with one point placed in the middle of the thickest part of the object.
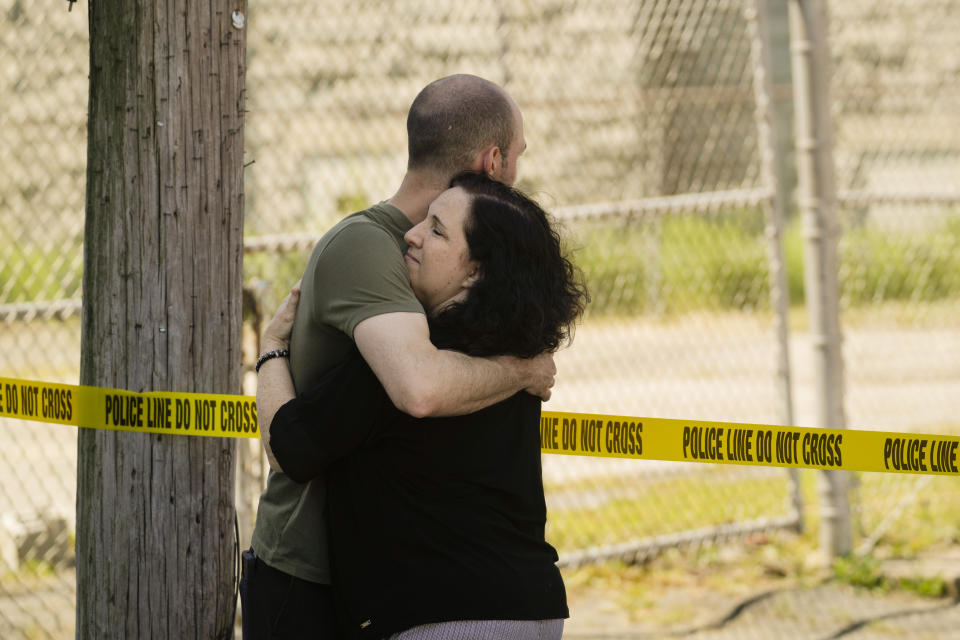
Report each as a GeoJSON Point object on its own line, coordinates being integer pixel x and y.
{"type": "Point", "coordinates": [412, 237]}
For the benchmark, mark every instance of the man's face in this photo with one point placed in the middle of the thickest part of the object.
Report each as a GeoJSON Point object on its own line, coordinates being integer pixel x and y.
{"type": "Point", "coordinates": [507, 172]}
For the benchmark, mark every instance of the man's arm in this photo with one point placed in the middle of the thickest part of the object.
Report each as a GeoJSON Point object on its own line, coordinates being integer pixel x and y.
{"type": "Point", "coordinates": [424, 381]}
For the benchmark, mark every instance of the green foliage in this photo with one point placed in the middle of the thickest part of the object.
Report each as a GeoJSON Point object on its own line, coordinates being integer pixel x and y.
{"type": "Point", "coordinates": [861, 572]}
{"type": "Point", "coordinates": [351, 202]}
{"type": "Point", "coordinates": [718, 263]}
{"type": "Point", "coordinates": [687, 261]}
{"type": "Point", "coordinates": [673, 264]}
{"type": "Point", "coordinates": [887, 266]}
{"type": "Point", "coordinates": [277, 272]}
{"type": "Point", "coordinates": [866, 572]}
{"type": "Point", "coordinates": [681, 263]}
{"type": "Point", "coordinates": [651, 507]}
{"type": "Point", "coordinates": [926, 587]}
{"type": "Point", "coordinates": [35, 274]}
{"type": "Point", "coordinates": [792, 240]}
{"type": "Point", "coordinates": [613, 261]}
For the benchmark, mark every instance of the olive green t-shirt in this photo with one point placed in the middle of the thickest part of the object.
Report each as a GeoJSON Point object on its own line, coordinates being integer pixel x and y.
{"type": "Point", "coordinates": [355, 272]}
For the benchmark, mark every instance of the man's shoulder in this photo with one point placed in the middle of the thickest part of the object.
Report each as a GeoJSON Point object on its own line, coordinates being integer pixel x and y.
{"type": "Point", "coordinates": [357, 270]}
{"type": "Point", "coordinates": [366, 227]}
{"type": "Point", "coordinates": [354, 225]}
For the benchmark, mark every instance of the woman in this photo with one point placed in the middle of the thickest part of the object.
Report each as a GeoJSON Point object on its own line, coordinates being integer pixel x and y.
{"type": "Point", "coordinates": [437, 525]}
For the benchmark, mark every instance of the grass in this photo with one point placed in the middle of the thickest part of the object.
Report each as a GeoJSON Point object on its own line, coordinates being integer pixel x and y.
{"type": "Point", "coordinates": [37, 274]}
{"type": "Point", "coordinates": [684, 262]}
{"type": "Point", "coordinates": [688, 261]}
{"type": "Point", "coordinates": [866, 572]}
{"type": "Point", "coordinates": [759, 560]}
{"type": "Point", "coordinates": [278, 271]}
{"type": "Point", "coordinates": [644, 507]}
{"type": "Point", "coordinates": [681, 263]}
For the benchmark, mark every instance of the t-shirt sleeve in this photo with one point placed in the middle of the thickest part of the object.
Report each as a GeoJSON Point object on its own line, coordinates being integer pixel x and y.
{"type": "Point", "coordinates": [360, 274]}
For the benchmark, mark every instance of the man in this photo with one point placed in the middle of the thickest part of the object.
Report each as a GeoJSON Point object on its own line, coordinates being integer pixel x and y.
{"type": "Point", "coordinates": [355, 290]}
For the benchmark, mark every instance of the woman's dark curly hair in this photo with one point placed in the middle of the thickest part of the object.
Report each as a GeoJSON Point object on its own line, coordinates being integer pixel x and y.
{"type": "Point", "coordinates": [528, 294]}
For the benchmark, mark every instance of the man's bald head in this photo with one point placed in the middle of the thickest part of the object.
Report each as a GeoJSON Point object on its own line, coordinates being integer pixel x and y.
{"type": "Point", "coordinates": [454, 118]}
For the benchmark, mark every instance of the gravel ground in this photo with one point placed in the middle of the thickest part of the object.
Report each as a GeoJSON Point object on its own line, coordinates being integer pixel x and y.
{"type": "Point", "coordinates": [822, 610]}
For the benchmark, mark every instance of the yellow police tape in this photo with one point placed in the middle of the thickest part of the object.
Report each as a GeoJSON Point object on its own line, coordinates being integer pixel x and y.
{"type": "Point", "coordinates": [191, 414]}
{"type": "Point", "coordinates": [585, 434]}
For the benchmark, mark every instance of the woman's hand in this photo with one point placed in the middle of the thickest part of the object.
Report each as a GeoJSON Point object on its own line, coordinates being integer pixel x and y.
{"type": "Point", "coordinates": [274, 384]}
{"type": "Point", "coordinates": [277, 333]}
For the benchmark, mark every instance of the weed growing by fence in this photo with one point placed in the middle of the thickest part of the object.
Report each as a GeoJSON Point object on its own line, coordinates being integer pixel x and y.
{"type": "Point", "coordinates": [685, 262]}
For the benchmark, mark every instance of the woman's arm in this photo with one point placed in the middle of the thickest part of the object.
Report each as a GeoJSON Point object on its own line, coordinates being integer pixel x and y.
{"type": "Point", "coordinates": [274, 382]}
{"type": "Point", "coordinates": [302, 434]}
{"type": "Point", "coordinates": [329, 420]}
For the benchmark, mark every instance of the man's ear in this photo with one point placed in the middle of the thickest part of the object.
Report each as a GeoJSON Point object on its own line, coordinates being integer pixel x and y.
{"type": "Point", "coordinates": [489, 161]}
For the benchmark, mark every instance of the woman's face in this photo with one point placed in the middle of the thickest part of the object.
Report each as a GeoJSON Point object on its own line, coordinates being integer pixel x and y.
{"type": "Point", "coordinates": [438, 259]}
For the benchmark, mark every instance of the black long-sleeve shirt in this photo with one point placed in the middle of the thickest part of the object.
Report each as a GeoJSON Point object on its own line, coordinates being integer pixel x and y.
{"type": "Point", "coordinates": [432, 519]}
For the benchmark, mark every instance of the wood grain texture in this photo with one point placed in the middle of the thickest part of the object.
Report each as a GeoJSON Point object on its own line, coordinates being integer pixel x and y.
{"type": "Point", "coordinates": [161, 311]}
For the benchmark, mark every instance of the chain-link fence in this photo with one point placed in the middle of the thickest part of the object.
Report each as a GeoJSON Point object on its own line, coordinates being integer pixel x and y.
{"type": "Point", "coordinates": [895, 87]}
{"type": "Point", "coordinates": [641, 124]}
{"type": "Point", "coordinates": [43, 89]}
{"type": "Point", "coordinates": [651, 136]}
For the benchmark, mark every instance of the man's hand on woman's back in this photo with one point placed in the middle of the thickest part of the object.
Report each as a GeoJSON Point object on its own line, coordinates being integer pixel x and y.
{"type": "Point", "coordinates": [539, 373]}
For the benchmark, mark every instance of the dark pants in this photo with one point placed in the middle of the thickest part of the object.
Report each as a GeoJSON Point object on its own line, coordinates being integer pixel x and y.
{"type": "Point", "coordinates": [277, 605]}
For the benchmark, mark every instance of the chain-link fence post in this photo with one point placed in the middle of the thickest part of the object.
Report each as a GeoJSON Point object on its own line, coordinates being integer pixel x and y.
{"type": "Point", "coordinates": [817, 203]}
{"type": "Point", "coordinates": [770, 159]}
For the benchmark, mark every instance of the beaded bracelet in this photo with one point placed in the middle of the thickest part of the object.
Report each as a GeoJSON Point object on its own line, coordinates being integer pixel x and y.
{"type": "Point", "coordinates": [269, 355]}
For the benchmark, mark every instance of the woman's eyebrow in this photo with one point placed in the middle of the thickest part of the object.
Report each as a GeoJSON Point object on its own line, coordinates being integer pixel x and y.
{"type": "Point", "coordinates": [437, 221]}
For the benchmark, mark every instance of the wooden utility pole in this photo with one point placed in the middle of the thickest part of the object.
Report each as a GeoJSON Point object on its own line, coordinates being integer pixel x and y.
{"type": "Point", "coordinates": [156, 549]}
